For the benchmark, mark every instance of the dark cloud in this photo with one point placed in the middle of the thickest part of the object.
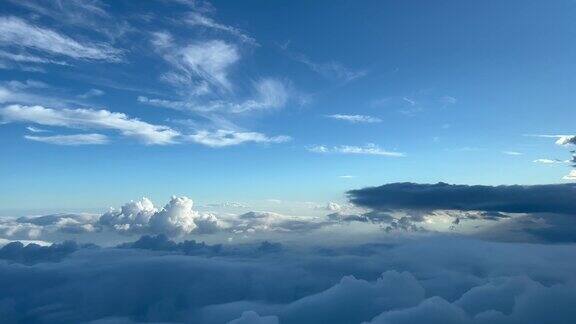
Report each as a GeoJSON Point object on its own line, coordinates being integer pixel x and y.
{"type": "Point", "coordinates": [554, 198]}
{"type": "Point", "coordinates": [33, 253]}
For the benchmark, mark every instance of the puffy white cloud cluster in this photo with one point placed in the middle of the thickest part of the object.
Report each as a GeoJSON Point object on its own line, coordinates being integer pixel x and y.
{"type": "Point", "coordinates": [426, 280]}
{"type": "Point", "coordinates": [176, 218]}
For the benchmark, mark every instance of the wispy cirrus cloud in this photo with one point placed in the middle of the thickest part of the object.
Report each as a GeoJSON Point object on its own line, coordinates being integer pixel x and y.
{"type": "Point", "coordinates": [269, 94]}
{"type": "Point", "coordinates": [548, 161]}
{"type": "Point", "coordinates": [87, 14]}
{"type": "Point", "coordinates": [91, 93]}
{"type": "Point", "coordinates": [201, 20]}
{"type": "Point", "coordinates": [28, 58]}
{"type": "Point", "coordinates": [18, 33]}
{"type": "Point", "coordinates": [199, 66]}
{"type": "Point", "coordinates": [222, 138]}
{"type": "Point", "coordinates": [355, 118]}
{"type": "Point", "coordinates": [91, 119]}
{"type": "Point", "coordinates": [560, 139]}
{"type": "Point", "coordinates": [513, 153]}
{"type": "Point", "coordinates": [71, 140]}
{"type": "Point", "coordinates": [369, 149]}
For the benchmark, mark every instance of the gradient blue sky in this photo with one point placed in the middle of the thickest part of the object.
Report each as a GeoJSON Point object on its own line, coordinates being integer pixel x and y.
{"type": "Point", "coordinates": [258, 101]}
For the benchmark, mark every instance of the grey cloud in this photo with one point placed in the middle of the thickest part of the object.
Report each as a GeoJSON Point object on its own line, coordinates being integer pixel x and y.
{"type": "Point", "coordinates": [554, 198]}
{"type": "Point", "coordinates": [33, 253]}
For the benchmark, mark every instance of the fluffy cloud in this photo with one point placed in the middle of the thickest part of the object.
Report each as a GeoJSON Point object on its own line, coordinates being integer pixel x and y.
{"type": "Point", "coordinates": [570, 176]}
{"type": "Point", "coordinates": [566, 140]}
{"type": "Point", "coordinates": [16, 32]}
{"type": "Point", "coordinates": [370, 149]}
{"type": "Point", "coordinates": [176, 218]}
{"type": "Point", "coordinates": [221, 138]}
{"type": "Point", "coordinates": [356, 118]}
{"type": "Point", "coordinates": [37, 226]}
{"type": "Point", "coordinates": [73, 140]}
{"type": "Point", "coordinates": [90, 119]}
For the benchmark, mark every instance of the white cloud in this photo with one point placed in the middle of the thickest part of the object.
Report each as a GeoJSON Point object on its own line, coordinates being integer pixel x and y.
{"type": "Point", "coordinates": [548, 161]}
{"type": "Point", "coordinates": [91, 93]}
{"type": "Point", "coordinates": [221, 138]}
{"type": "Point", "coordinates": [346, 176]}
{"type": "Point", "coordinates": [197, 19]}
{"type": "Point", "coordinates": [211, 60]}
{"type": "Point", "coordinates": [512, 153]}
{"type": "Point", "coordinates": [90, 119]}
{"type": "Point", "coordinates": [86, 14]}
{"type": "Point", "coordinates": [72, 140]}
{"type": "Point", "coordinates": [269, 94]}
{"type": "Point", "coordinates": [330, 70]}
{"type": "Point", "coordinates": [570, 176]}
{"type": "Point", "coordinates": [27, 58]}
{"type": "Point", "coordinates": [561, 139]}
{"type": "Point", "coordinates": [178, 217]}
{"type": "Point", "coordinates": [448, 100]}
{"type": "Point", "coordinates": [36, 130]}
{"type": "Point", "coordinates": [199, 62]}
{"type": "Point", "coordinates": [566, 139]}
{"type": "Point", "coordinates": [369, 149]}
{"type": "Point", "coordinates": [356, 118]}
{"type": "Point", "coordinates": [17, 32]}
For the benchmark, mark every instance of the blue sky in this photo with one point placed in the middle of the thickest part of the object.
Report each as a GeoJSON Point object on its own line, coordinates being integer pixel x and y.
{"type": "Point", "coordinates": [265, 101]}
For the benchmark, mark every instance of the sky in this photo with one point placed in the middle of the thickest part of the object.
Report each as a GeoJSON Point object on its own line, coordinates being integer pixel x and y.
{"type": "Point", "coordinates": [267, 162]}
{"type": "Point", "coordinates": [252, 102]}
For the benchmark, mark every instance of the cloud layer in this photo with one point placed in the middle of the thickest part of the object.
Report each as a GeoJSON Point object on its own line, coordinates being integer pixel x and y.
{"type": "Point", "coordinates": [432, 280]}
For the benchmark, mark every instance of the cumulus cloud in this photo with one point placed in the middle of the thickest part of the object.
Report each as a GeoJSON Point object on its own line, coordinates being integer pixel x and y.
{"type": "Point", "coordinates": [36, 226]}
{"type": "Point", "coordinates": [15, 32]}
{"type": "Point", "coordinates": [570, 176]}
{"type": "Point", "coordinates": [16, 230]}
{"type": "Point", "coordinates": [176, 218]}
{"type": "Point", "coordinates": [72, 140]}
{"type": "Point", "coordinates": [222, 138]}
{"type": "Point", "coordinates": [566, 140]}
{"type": "Point", "coordinates": [355, 118]}
{"type": "Point", "coordinates": [90, 119]}
{"type": "Point", "coordinates": [370, 149]}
